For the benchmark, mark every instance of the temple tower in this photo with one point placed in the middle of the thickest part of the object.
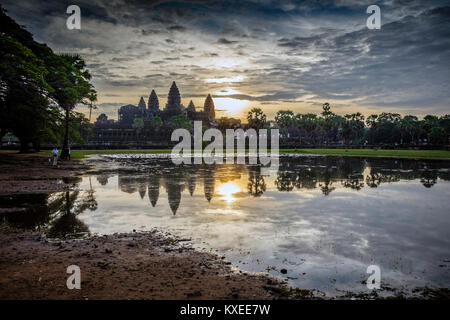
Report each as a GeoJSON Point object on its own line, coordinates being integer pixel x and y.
{"type": "Point", "coordinates": [209, 108]}
{"type": "Point", "coordinates": [153, 104]}
{"type": "Point", "coordinates": [142, 106]}
{"type": "Point", "coordinates": [191, 110]}
{"type": "Point", "coordinates": [173, 99]}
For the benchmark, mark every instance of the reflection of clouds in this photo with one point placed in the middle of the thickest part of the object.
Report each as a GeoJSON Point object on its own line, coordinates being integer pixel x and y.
{"type": "Point", "coordinates": [225, 211]}
{"type": "Point", "coordinates": [400, 226]}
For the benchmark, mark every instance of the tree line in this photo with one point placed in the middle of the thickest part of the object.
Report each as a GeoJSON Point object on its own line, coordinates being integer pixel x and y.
{"type": "Point", "coordinates": [354, 128]}
{"type": "Point", "coordinates": [39, 89]}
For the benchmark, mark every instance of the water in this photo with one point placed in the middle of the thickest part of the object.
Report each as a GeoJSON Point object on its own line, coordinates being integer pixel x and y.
{"type": "Point", "coordinates": [323, 219]}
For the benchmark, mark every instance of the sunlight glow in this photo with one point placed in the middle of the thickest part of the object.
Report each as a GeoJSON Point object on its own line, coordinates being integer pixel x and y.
{"type": "Point", "coordinates": [227, 190]}
{"type": "Point", "coordinates": [225, 80]}
{"type": "Point", "coordinates": [231, 107]}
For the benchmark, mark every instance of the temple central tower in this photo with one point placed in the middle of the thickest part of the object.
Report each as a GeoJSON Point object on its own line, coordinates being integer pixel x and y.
{"type": "Point", "coordinates": [153, 104]}
{"type": "Point", "coordinates": [209, 108]}
{"type": "Point", "coordinates": [173, 99]}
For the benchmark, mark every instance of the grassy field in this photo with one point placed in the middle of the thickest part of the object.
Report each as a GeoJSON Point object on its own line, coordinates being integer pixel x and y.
{"type": "Point", "coordinates": [411, 154]}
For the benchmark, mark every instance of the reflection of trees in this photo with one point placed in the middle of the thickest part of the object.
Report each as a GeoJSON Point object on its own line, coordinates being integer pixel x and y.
{"type": "Point", "coordinates": [35, 214]}
{"type": "Point", "coordinates": [256, 184]}
{"type": "Point", "coordinates": [306, 179]}
{"type": "Point", "coordinates": [354, 181]}
{"type": "Point", "coordinates": [374, 179]}
{"type": "Point", "coordinates": [90, 197]}
{"type": "Point", "coordinates": [326, 186]}
{"type": "Point", "coordinates": [64, 209]}
{"type": "Point", "coordinates": [285, 181]}
{"type": "Point", "coordinates": [429, 178]}
{"type": "Point", "coordinates": [55, 212]}
{"type": "Point", "coordinates": [103, 179]}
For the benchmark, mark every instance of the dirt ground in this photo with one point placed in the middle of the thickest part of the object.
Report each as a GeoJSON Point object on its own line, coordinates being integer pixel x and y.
{"type": "Point", "coordinates": [124, 266]}
{"type": "Point", "coordinates": [29, 173]}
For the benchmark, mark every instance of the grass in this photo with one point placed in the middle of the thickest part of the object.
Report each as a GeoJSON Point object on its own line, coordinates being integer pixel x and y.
{"type": "Point", "coordinates": [409, 154]}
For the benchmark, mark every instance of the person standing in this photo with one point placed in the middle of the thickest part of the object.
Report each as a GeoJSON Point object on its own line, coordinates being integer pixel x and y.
{"type": "Point", "coordinates": [55, 156]}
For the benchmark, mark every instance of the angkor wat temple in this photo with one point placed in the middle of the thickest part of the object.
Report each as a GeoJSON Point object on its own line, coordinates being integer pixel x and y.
{"type": "Point", "coordinates": [125, 132]}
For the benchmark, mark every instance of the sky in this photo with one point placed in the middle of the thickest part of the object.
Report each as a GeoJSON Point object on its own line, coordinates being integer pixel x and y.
{"type": "Point", "coordinates": [276, 55]}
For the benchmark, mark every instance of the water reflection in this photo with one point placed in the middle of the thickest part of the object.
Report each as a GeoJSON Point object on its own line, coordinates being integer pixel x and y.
{"type": "Point", "coordinates": [55, 214]}
{"type": "Point", "coordinates": [323, 219]}
{"type": "Point", "coordinates": [323, 173]}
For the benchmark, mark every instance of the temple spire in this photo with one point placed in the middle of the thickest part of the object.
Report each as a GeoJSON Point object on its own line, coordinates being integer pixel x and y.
{"type": "Point", "coordinates": [209, 107]}
{"type": "Point", "coordinates": [191, 107]}
{"type": "Point", "coordinates": [153, 102]}
{"type": "Point", "coordinates": [142, 106]}
{"type": "Point", "coordinates": [173, 98]}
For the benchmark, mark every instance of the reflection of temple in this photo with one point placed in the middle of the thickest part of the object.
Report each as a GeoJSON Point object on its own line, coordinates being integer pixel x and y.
{"type": "Point", "coordinates": [153, 188]}
{"type": "Point", "coordinates": [325, 174]}
{"type": "Point", "coordinates": [208, 186]}
{"type": "Point", "coordinates": [174, 183]}
{"type": "Point", "coordinates": [174, 187]}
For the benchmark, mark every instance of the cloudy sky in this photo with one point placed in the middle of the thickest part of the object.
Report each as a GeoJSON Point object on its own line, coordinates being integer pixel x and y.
{"type": "Point", "coordinates": [271, 54]}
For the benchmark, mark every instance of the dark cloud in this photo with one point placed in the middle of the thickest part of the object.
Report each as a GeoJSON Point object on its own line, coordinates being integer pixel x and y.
{"type": "Point", "coordinates": [287, 51]}
{"type": "Point", "coordinates": [225, 41]}
{"type": "Point", "coordinates": [176, 28]}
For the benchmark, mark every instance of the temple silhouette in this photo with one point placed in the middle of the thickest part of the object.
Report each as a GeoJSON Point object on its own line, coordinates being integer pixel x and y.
{"type": "Point", "coordinates": [156, 125]}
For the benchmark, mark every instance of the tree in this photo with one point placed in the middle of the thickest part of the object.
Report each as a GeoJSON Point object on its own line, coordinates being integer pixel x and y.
{"type": "Point", "coordinates": [409, 126]}
{"type": "Point", "coordinates": [70, 80]}
{"type": "Point", "coordinates": [24, 106]}
{"type": "Point", "coordinates": [284, 118]}
{"type": "Point", "coordinates": [223, 124]}
{"type": "Point", "coordinates": [91, 106]}
{"type": "Point", "coordinates": [371, 121]}
{"type": "Point", "coordinates": [156, 122]}
{"type": "Point", "coordinates": [326, 113]}
{"type": "Point", "coordinates": [438, 135]}
{"type": "Point", "coordinates": [138, 125]}
{"type": "Point", "coordinates": [180, 121]}
{"type": "Point", "coordinates": [256, 118]}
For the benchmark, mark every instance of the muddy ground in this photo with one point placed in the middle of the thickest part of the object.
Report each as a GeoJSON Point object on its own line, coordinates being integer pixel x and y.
{"type": "Point", "coordinates": [123, 266]}
{"type": "Point", "coordinates": [28, 173]}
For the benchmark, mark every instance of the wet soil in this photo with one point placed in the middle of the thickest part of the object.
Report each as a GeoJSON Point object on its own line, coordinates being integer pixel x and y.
{"type": "Point", "coordinates": [31, 173]}
{"type": "Point", "coordinates": [122, 266]}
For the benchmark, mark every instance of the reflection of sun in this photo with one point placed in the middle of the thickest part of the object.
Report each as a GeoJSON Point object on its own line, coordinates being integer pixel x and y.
{"type": "Point", "coordinates": [227, 190]}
